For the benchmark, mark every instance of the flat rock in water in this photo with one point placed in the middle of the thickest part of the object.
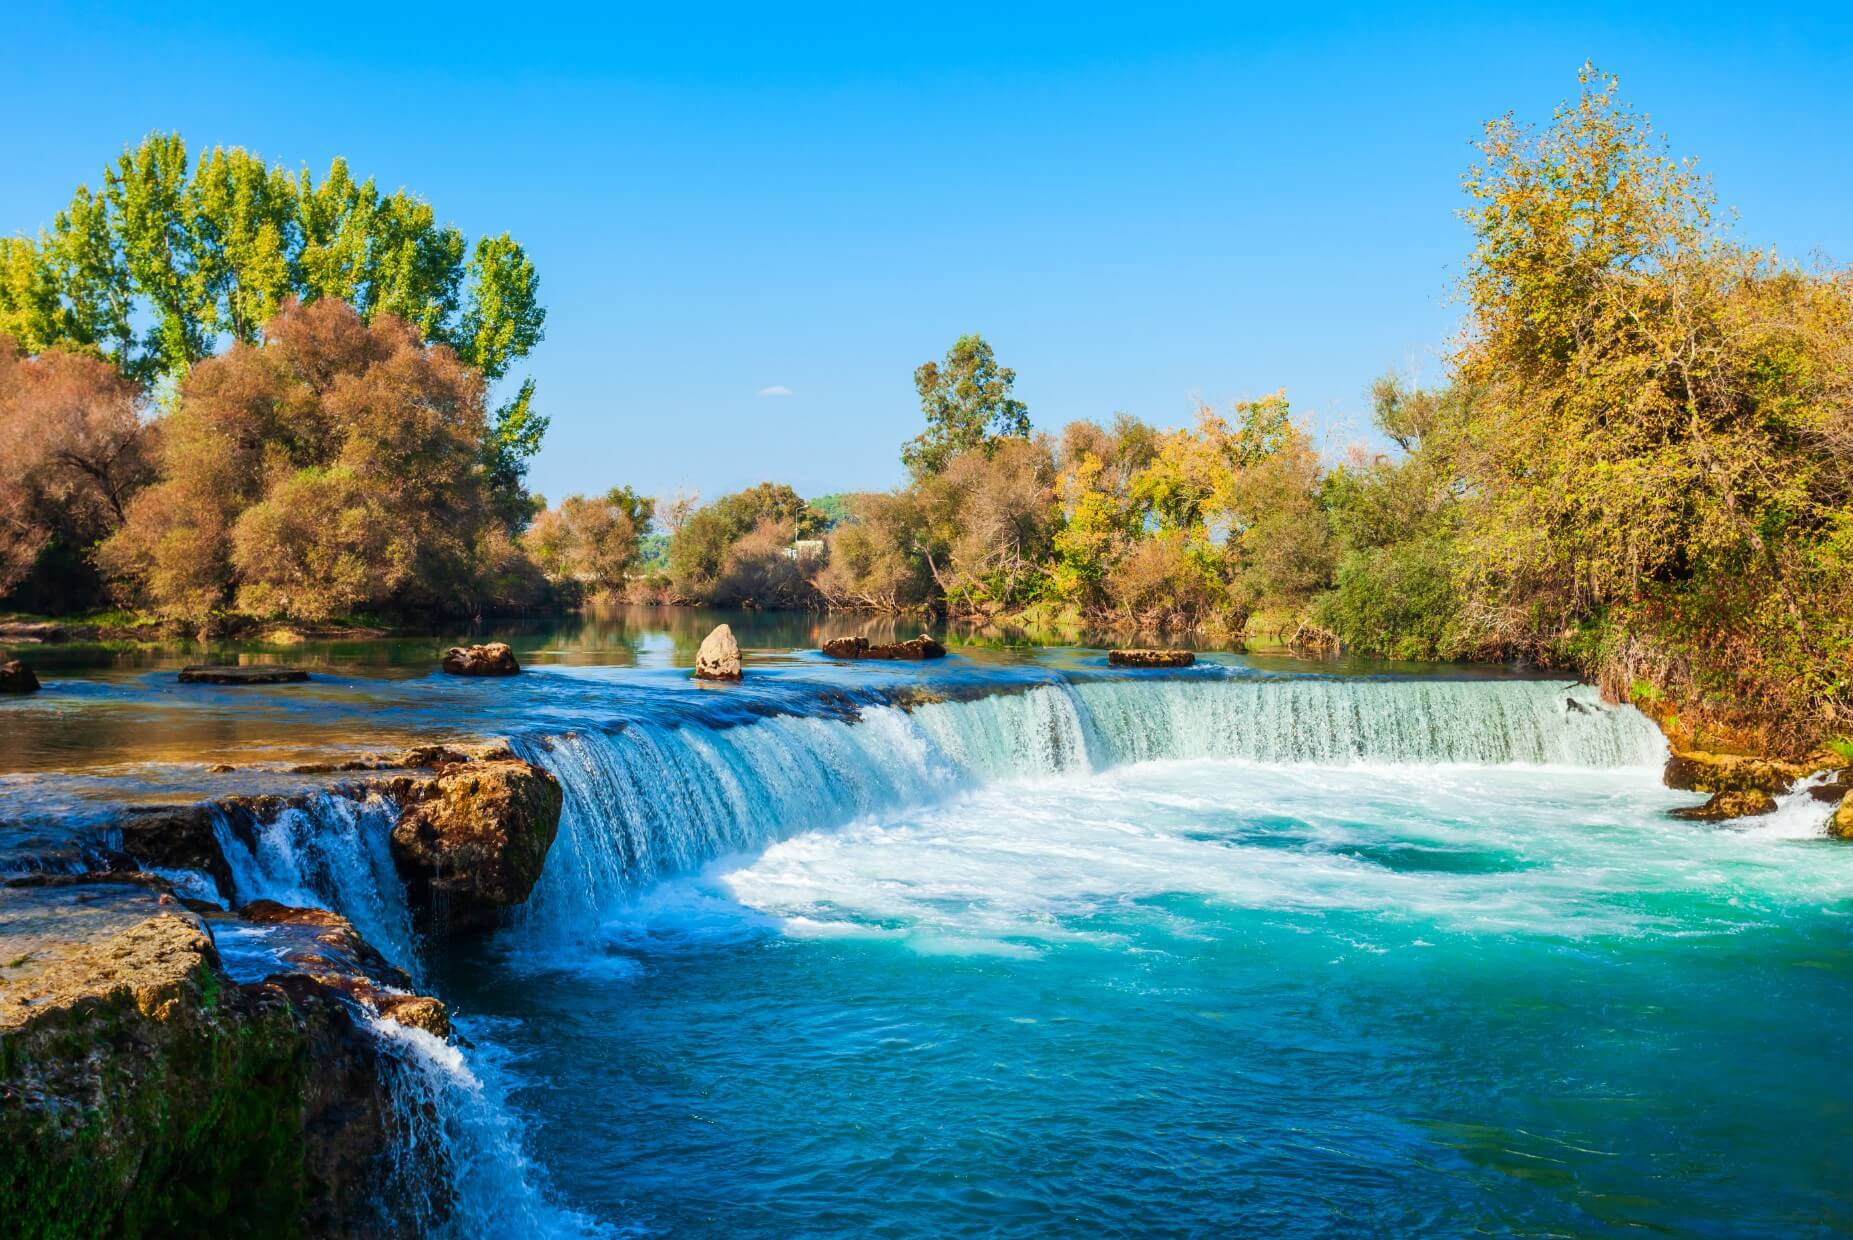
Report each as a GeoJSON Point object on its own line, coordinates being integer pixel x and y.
{"type": "Point", "coordinates": [922, 647]}
{"type": "Point", "coordinates": [241, 675]}
{"type": "Point", "coordinates": [1725, 806]}
{"type": "Point", "coordinates": [1151, 658]}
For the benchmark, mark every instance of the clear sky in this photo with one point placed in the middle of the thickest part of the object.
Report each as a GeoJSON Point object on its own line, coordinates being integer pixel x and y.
{"type": "Point", "coordinates": [1140, 206]}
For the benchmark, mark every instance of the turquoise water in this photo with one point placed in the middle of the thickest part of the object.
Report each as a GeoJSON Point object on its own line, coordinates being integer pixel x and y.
{"type": "Point", "coordinates": [1343, 967]}
{"type": "Point", "coordinates": [1013, 945]}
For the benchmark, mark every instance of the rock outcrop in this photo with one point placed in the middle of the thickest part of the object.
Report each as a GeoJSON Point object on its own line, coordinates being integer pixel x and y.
{"type": "Point", "coordinates": [490, 659]}
{"type": "Point", "coordinates": [1840, 824]}
{"type": "Point", "coordinates": [1741, 803]}
{"type": "Point", "coordinates": [474, 828]}
{"type": "Point", "coordinates": [1150, 658]}
{"type": "Point", "coordinates": [922, 647]}
{"type": "Point", "coordinates": [242, 674]}
{"type": "Point", "coordinates": [16, 677]}
{"type": "Point", "coordinates": [472, 838]}
{"type": "Point", "coordinates": [143, 1090]}
{"type": "Point", "coordinates": [719, 656]}
{"type": "Point", "coordinates": [325, 948]}
{"type": "Point", "coordinates": [1695, 770]}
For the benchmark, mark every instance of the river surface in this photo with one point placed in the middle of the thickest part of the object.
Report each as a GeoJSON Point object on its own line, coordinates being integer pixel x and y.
{"type": "Point", "coordinates": [1016, 945]}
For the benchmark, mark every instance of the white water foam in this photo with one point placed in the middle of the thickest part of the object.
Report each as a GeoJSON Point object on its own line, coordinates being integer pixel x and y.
{"type": "Point", "coordinates": [645, 803]}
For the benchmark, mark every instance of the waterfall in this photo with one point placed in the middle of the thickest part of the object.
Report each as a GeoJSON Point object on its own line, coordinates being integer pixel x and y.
{"type": "Point", "coordinates": [459, 1108]}
{"type": "Point", "coordinates": [645, 800]}
{"type": "Point", "coordinates": [332, 852]}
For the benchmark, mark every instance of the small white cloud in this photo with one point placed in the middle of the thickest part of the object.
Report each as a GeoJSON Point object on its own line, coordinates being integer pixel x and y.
{"type": "Point", "coordinates": [777, 389]}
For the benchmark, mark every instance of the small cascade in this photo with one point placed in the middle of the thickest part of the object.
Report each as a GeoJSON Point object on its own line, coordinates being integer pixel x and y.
{"type": "Point", "coordinates": [332, 852]}
{"type": "Point", "coordinates": [644, 801]}
{"type": "Point", "coordinates": [457, 1109]}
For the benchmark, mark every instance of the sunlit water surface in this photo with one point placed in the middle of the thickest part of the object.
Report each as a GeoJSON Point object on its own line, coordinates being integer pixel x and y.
{"type": "Point", "coordinates": [1013, 946]}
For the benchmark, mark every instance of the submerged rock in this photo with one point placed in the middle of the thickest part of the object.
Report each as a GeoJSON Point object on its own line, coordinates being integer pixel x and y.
{"type": "Point", "coordinates": [324, 946]}
{"type": "Point", "coordinates": [921, 647]}
{"type": "Point", "coordinates": [242, 674]}
{"type": "Point", "coordinates": [1695, 770]}
{"type": "Point", "coordinates": [16, 677]}
{"type": "Point", "coordinates": [719, 656]}
{"type": "Point", "coordinates": [1150, 658]}
{"type": "Point", "coordinates": [1744, 803]}
{"type": "Point", "coordinates": [473, 840]}
{"type": "Point", "coordinates": [490, 659]}
{"type": "Point", "coordinates": [144, 1091]}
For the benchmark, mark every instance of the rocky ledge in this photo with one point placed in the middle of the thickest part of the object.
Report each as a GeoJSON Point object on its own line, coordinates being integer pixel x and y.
{"type": "Point", "coordinates": [474, 828]}
{"type": "Point", "coordinates": [147, 1089]}
{"type": "Point", "coordinates": [922, 647]}
{"type": "Point", "coordinates": [16, 677]}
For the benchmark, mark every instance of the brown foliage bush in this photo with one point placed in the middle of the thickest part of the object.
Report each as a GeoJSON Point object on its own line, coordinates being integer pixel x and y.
{"type": "Point", "coordinates": [73, 452]}
{"type": "Point", "coordinates": [337, 466]}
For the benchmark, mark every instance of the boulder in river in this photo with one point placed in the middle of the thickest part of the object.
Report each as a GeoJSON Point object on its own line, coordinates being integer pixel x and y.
{"type": "Point", "coordinates": [1744, 803]}
{"type": "Point", "coordinates": [489, 659]}
{"type": "Point", "coordinates": [16, 677]}
{"type": "Point", "coordinates": [242, 674]}
{"type": "Point", "coordinates": [719, 656]}
{"type": "Point", "coordinates": [1138, 657]}
{"type": "Point", "coordinates": [914, 648]}
{"type": "Point", "coordinates": [1698, 771]}
{"type": "Point", "coordinates": [474, 838]}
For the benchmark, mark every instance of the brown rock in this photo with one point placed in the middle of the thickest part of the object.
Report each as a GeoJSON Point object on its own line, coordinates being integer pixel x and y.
{"type": "Point", "coordinates": [1698, 771]}
{"type": "Point", "coordinates": [242, 674]}
{"type": "Point", "coordinates": [323, 945]}
{"type": "Point", "coordinates": [914, 648]}
{"type": "Point", "coordinates": [1840, 825]}
{"type": "Point", "coordinates": [175, 837]}
{"type": "Point", "coordinates": [136, 1074]}
{"type": "Point", "coordinates": [1746, 803]}
{"type": "Point", "coordinates": [1150, 658]}
{"type": "Point", "coordinates": [491, 659]}
{"type": "Point", "coordinates": [474, 840]}
{"type": "Point", "coordinates": [719, 656]}
{"type": "Point", "coordinates": [16, 677]}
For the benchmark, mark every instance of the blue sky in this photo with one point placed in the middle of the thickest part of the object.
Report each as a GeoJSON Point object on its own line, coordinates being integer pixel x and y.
{"type": "Point", "coordinates": [1141, 207]}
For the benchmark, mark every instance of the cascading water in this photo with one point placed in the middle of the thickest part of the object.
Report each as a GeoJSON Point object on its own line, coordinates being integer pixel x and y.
{"type": "Point", "coordinates": [333, 852]}
{"type": "Point", "coordinates": [647, 801]}
{"type": "Point", "coordinates": [330, 852]}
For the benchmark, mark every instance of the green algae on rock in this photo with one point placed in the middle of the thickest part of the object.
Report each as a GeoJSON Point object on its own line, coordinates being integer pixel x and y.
{"type": "Point", "coordinates": [142, 1090]}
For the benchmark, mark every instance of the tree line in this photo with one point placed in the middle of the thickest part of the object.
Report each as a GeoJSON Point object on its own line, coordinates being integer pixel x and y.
{"type": "Point", "coordinates": [1638, 462]}
{"type": "Point", "coordinates": [1638, 465]}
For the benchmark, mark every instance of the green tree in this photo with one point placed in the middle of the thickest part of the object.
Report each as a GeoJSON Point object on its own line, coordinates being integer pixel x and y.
{"type": "Point", "coordinates": [967, 403]}
{"type": "Point", "coordinates": [205, 253]}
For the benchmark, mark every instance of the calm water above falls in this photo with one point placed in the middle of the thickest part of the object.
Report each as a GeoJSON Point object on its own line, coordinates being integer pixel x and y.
{"type": "Point", "coordinates": [1012, 946]}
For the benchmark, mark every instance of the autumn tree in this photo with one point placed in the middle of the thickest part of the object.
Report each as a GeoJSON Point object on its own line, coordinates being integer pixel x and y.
{"type": "Point", "coordinates": [338, 465]}
{"type": "Point", "coordinates": [173, 257]}
{"type": "Point", "coordinates": [967, 402]}
{"type": "Point", "coordinates": [1657, 451]}
{"type": "Point", "coordinates": [74, 450]}
{"type": "Point", "coordinates": [699, 551]}
{"type": "Point", "coordinates": [594, 542]}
